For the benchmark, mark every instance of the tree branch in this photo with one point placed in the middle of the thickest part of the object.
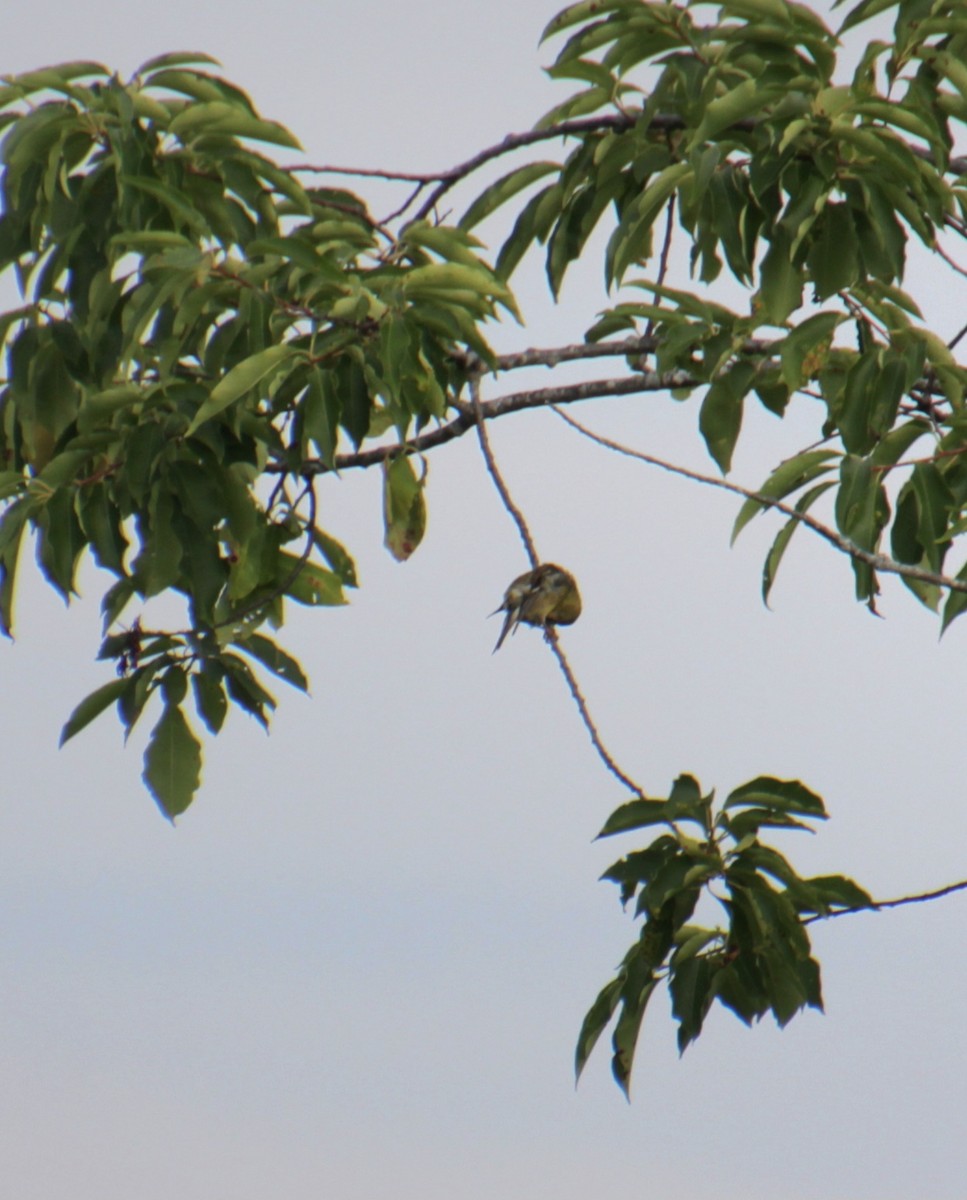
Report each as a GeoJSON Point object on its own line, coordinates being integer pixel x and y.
{"type": "Point", "coordinates": [550, 634]}
{"type": "Point", "coordinates": [879, 562]}
{"type": "Point", "coordinates": [585, 714]}
{"type": "Point", "coordinates": [647, 381]}
{"type": "Point", "coordinates": [876, 905]}
{"type": "Point", "coordinates": [502, 490]}
{"type": "Point", "coordinates": [620, 122]}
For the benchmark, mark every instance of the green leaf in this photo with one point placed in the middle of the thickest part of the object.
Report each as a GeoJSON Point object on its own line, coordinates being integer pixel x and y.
{"type": "Point", "coordinates": [149, 241]}
{"type": "Point", "coordinates": [636, 869]}
{"type": "Point", "coordinates": [692, 989]}
{"type": "Point", "coordinates": [92, 706]}
{"type": "Point", "coordinates": [624, 1040]}
{"type": "Point", "coordinates": [533, 224]}
{"type": "Point", "coordinates": [499, 192]}
{"type": "Point", "coordinates": [60, 542]}
{"type": "Point", "coordinates": [48, 77]}
{"type": "Point", "coordinates": [319, 410]}
{"type": "Point", "coordinates": [172, 763]}
{"type": "Point", "coordinates": [746, 99]}
{"type": "Point", "coordinates": [100, 521]}
{"type": "Point", "coordinates": [956, 602]}
{"type": "Point", "coordinates": [241, 379]}
{"type": "Point", "coordinates": [278, 662]}
{"type": "Point", "coordinates": [860, 504]}
{"type": "Point", "coordinates": [404, 507]}
{"type": "Point", "coordinates": [177, 58]}
{"type": "Point", "coordinates": [778, 548]}
{"type": "Point", "coordinates": [596, 1020]}
{"type": "Point", "coordinates": [114, 600]}
{"type": "Point", "coordinates": [863, 12]}
{"type": "Point", "coordinates": [804, 350]}
{"type": "Point", "coordinates": [210, 699]}
{"type": "Point", "coordinates": [312, 585]}
{"type": "Point", "coordinates": [631, 241]}
{"type": "Point", "coordinates": [691, 940]}
{"type": "Point", "coordinates": [337, 556]}
{"type": "Point", "coordinates": [158, 565]}
{"type": "Point", "coordinates": [780, 282]}
{"type": "Point", "coordinates": [780, 795]}
{"type": "Point", "coordinates": [685, 803]}
{"type": "Point", "coordinates": [788, 477]}
{"type": "Point", "coordinates": [219, 117]}
{"type": "Point", "coordinates": [839, 892]}
{"type": "Point", "coordinates": [585, 10]}
{"type": "Point", "coordinates": [936, 503]}
{"type": "Point", "coordinates": [720, 419]}
{"type": "Point", "coordinates": [245, 689]}
{"type": "Point", "coordinates": [833, 257]}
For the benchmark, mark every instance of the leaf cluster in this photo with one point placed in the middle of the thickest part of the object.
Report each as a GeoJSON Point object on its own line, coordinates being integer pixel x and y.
{"type": "Point", "coordinates": [197, 333]}
{"type": "Point", "coordinates": [807, 191]}
{"type": "Point", "coordinates": [200, 334]}
{"type": "Point", "coordinates": [759, 959]}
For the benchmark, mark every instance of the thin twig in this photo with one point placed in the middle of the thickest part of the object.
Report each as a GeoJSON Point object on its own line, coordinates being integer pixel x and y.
{"type": "Point", "coordinates": [502, 490]}
{"type": "Point", "coordinates": [572, 683]}
{"type": "Point", "coordinates": [549, 632]}
{"type": "Point", "coordinates": [879, 562]}
{"type": "Point", "coordinates": [954, 266]}
{"type": "Point", "coordinates": [875, 905]}
{"type": "Point", "coordinates": [515, 141]}
{"type": "Point", "coordinates": [619, 122]}
{"type": "Point", "coordinates": [367, 173]}
{"type": "Point", "coordinates": [663, 260]}
{"type": "Point", "coordinates": [542, 356]}
{"type": "Point", "coordinates": [411, 199]}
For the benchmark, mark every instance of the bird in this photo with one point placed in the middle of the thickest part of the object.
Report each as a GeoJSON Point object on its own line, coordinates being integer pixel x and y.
{"type": "Point", "coordinates": [547, 595]}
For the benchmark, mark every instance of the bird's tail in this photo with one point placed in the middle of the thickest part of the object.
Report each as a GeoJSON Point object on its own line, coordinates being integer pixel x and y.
{"type": "Point", "coordinates": [509, 623]}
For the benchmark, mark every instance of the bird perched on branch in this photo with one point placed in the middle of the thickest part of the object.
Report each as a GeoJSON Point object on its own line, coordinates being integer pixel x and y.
{"type": "Point", "coordinates": [546, 596]}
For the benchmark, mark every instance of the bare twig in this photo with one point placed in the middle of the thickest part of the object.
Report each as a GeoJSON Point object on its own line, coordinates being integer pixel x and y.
{"type": "Point", "coordinates": [620, 122]}
{"type": "Point", "coordinates": [553, 356]}
{"type": "Point", "coordinates": [572, 683]}
{"type": "Point", "coordinates": [954, 340]}
{"type": "Point", "coordinates": [502, 490]}
{"type": "Point", "coordinates": [663, 260]}
{"type": "Point", "coordinates": [411, 199]}
{"type": "Point", "coordinates": [876, 905]}
{"type": "Point", "coordinates": [515, 141]}
{"type": "Point", "coordinates": [952, 263]}
{"type": "Point", "coordinates": [879, 562]}
{"type": "Point", "coordinates": [549, 632]}
{"type": "Point", "coordinates": [367, 173]}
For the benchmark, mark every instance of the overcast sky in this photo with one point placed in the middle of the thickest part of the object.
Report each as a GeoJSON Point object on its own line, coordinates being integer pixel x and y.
{"type": "Point", "coordinates": [357, 967]}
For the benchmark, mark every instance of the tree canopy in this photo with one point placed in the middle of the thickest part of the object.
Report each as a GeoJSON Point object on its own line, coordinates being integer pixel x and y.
{"type": "Point", "coordinates": [208, 332]}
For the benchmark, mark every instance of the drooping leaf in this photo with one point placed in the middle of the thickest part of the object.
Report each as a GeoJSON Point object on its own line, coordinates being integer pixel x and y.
{"type": "Point", "coordinates": [404, 508]}
{"type": "Point", "coordinates": [92, 706]}
{"type": "Point", "coordinates": [720, 420]}
{"type": "Point", "coordinates": [172, 763]}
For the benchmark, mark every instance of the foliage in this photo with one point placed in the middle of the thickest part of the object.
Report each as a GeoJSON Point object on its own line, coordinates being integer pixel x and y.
{"type": "Point", "coordinates": [196, 325]}
{"type": "Point", "coordinates": [761, 962]}
{"type": "Point", "coordinates": [203, 336]}
{"type": "Point", "coordinates": [808, 190]}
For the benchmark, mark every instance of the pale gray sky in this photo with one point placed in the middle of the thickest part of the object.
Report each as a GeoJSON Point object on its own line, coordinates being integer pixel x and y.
{"type": "Point", "coordinates": [358, 966]}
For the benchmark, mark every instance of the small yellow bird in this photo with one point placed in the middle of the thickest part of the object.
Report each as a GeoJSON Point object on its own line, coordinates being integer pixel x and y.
{"type": "Point", "coordinates": [548, 595]}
